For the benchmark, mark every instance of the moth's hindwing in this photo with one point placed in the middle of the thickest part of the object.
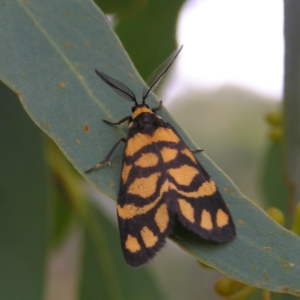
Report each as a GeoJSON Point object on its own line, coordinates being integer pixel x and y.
{"type": "Point", "coordinates": [161, 180]}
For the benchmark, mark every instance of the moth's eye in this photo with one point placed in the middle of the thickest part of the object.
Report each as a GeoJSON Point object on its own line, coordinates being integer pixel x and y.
{"type": "Point", "coordinates": [133, 109]}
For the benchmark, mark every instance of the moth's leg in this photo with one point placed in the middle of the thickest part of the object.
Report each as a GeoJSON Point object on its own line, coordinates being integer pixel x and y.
{"type": "Point", "coordinates": [117, 123]}
{"type": "Point", "coordinates": [158, 107]}
{"type": "Point", "coordinates": [196, 150]}
{"type": "Point", "coordinates": [106, 159]}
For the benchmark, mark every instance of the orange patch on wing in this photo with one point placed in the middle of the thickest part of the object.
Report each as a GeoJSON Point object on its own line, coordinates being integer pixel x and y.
{"type": "Point", "coordinates": [149, 238]}
{"type": "Point", "coordinates": [222, 218]}
{"type": "Point", "coordinates": [145, 186]}
{"type": "Point", "coordinates": [206, 220]}
{"type": "Point", "coordinates": [189, 154]}
{"type": "Point", "coordinates": [125, 172]}
{"type": "Point", "coordinates": [147, 160]}
{"type": "Point", "coordinates": [132, 244]}
{"type": "Point", "coordinates": [183, 175]}
{"type": "Point", "coordinates": [129, 211]}
{"type": "Point", "coordinates": [163, 134]}
{"type": "Point", "coordinates": [207, 188]}
{"type": "Point", "coordinates": [161, 217]}
{"type": "Point", "coordinates": [140, 140]}
{"type": "Point", "coordinates": [187, 210]}
{"type": "Point", "coordinates": [137, 142]}
{"type": "Point", "coordinates": [168, 154]}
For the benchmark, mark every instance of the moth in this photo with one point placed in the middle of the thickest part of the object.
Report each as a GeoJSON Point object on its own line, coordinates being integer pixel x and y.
{"type": "Point", "coordinates": [161, 181]}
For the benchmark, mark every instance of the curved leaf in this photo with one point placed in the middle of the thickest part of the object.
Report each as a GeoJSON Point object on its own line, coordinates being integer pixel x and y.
{"type": "Point", "coordinates": [51, 67]}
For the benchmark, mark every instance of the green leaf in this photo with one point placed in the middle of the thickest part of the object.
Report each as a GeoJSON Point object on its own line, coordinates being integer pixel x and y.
{"type": "Point", "coordinates": [23, 198]}
{"type": "Point", "coordinates": [49, 56]}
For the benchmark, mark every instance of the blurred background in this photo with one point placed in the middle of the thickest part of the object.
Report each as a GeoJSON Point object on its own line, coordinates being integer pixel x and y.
{"type": "Point", "coordinates": [231, 42]}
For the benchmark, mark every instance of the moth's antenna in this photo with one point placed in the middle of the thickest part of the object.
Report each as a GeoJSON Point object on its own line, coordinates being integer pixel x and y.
{"type": "Point", "coordinates": [120, 88]}
{"type": "Point", "coordinates": [159, 73]}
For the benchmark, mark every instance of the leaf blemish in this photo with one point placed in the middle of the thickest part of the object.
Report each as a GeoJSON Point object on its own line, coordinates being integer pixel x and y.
{"type": "Point", "coordinates": [285, 289]}
{"type": "Point", "coordinates": [62, 84]}
{"type": "Point", "coordinates": [253, 268]}
{"type": "Point", "coordinates": [285, 263]}
{"type": "Point", "coordinates": [297, 292]}
{"type": "Point", "coordinates": [67, 44]}
{"type": "Point", "coordinates": [266, 247]}
{"type": "Point", "coordinates": [226, 190]}
{"type": "Point", "coordinates": [19, 94]}
{"type": "Point", "coordinates": [241, 222]}
{"type": "Point", "coordinates": [86, 128]}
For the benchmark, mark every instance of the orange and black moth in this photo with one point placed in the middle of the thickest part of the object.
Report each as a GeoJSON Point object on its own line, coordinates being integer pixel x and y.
{"type": "Point", "coordinates": [161, 182]}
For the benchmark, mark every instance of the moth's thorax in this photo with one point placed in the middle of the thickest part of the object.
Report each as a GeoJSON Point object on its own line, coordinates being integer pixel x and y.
{"type": "Point", "coordinates": [145, 121]}
{"type": "Point", "coordinates": [141, 109]}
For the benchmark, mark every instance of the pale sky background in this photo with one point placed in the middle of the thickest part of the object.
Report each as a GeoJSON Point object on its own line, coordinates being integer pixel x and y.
{"type": "Point", "coordinates": [230, 42]}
